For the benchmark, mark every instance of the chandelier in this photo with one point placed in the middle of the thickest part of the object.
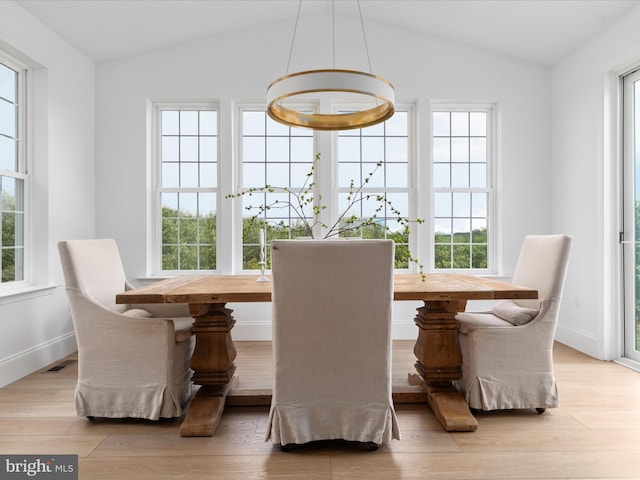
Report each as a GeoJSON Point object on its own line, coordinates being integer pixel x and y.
{"type": "Point", "coordinates": [326, 81]}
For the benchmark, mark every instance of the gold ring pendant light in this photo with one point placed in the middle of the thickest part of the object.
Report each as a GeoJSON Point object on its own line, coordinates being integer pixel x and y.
{"type": "Point", "coordinates": [330, 80]}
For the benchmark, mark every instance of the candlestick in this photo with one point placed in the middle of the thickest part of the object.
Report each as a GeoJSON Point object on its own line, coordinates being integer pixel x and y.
{"type": "Point", "coordinates": [262, 261]}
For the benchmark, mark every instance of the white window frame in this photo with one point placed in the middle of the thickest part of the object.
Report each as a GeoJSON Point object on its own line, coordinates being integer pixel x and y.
{"type": "Point", "coordinates": [21, 173]}
{"type": "Point", "coordinates": [492, 207]}
{"type": "Point", "coordinates": [155, 260]}
{"type": "Point", "coordinates": [628, 239]}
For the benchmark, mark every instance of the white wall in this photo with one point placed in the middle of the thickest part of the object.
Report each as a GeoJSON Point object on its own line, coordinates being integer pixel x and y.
{"type": "Point", "coordinates": [584, 174]}
{"type": "Point", "coordinates": [239, 66]}
{"type": "Point", "coordinates": [36, 328]}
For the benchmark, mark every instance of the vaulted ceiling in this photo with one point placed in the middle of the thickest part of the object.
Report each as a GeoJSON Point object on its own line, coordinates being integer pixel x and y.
{"type": "Point", "coordinates": [541, 31]}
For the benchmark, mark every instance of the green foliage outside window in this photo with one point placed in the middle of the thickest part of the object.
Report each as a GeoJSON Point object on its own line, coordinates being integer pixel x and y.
{"type": "Point", "coordinates": [461, 250]}
{"type": "Point", "coordinates": [250, 234]}
{"type": "Point", "coordinates": [302, 200]}
{"type": "Point", "coordinates": [11, 223]}
{"type": "Point", "coordinates": [188, 241]}
{"type": "Point", "coordinates": [251, 228]}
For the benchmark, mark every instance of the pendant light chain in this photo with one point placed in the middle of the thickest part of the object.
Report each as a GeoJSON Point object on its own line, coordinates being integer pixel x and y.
{"type": "Point", "coordinates": [333, 35]}
{"type": "Point", "coordinates": [293, 39]}
{"type": "Point", "coordinates": [333, 30]}
{"type": "Point", "coordinates": [364, 35]}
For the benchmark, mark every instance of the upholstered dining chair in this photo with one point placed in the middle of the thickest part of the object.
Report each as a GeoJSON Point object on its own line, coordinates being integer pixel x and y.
{"type": "Point", "coordinates": [332, 303]}
{"type": "Point", "coordinates": [133, 360]}
{"type": "Point", "coordinates": [507, 353]}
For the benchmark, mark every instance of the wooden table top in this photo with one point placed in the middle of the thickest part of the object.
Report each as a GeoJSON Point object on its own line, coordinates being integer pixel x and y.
{"type": "Point", "coordinates": [244, 288]}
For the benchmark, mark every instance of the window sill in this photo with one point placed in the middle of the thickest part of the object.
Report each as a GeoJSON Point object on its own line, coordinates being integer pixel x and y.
{"type": "Point", "coordinates": [26, 293]}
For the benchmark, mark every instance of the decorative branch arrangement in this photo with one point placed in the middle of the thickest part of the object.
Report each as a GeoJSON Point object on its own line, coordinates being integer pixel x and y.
{"type": "Point", "coordinates": [346, 224]}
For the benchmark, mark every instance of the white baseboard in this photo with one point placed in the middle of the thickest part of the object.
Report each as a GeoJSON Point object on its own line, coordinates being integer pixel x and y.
{"type": "Point", "coordinates": [17, 366]}
{"type": "Point", "coordinates": [574, 338]}
{"type": "Point", "coordinates": [404, 331]}
{"type": "Point", "coordinates": [578, 339]}
{"type": "Point", "coordinates": [251, 331]}
{"type": "Point", "coordinates": [24, 363]}
{"type": "Point", "coordinates": [20, 365]}
{"type": "Point", "coordinates": [253, 321]}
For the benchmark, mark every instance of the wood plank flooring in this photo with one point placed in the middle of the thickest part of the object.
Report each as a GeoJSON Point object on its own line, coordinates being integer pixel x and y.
{"type": "Point", "coordinates": [594, 434]}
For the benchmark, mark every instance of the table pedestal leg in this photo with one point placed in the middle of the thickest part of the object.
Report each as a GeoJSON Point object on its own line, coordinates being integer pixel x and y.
{"type": "Point", "coordinates": [214, 370]}
{"type": "Point", "coordinates": [439, 363]}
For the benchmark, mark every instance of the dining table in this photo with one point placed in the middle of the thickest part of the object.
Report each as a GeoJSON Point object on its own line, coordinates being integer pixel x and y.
{"type": "Point", "coordinates": [438, 358]}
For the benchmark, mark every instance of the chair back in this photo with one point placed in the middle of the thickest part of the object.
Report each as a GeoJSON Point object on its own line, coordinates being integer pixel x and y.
{"type": "Point", "coordinates": [542, 265]}
{"type": "Point", "coordinates": [332, 303]}
{"type": "Point", "coordinates": [320, 280]}
{"type": "Point", "coordinates": [95, 269]}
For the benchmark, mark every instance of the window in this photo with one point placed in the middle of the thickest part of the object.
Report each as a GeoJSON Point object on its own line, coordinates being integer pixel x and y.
{"type": "Point", "coordinates": [631, 196]}
{"type": "Point", "coordinates": [377, 158]}
{"type": "Point", "coordinates": [280, 156]}
{"type": "Point", "coordinates": [186, 187]}
{"type": "Point", "coordinates": [373, 167]}
{"type": "Point", "coordinates": [13, 177]}
{"type": "Point", "coordinates": [462, 186]}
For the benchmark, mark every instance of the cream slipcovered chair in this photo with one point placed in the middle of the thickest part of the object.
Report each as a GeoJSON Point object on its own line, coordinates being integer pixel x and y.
{"type": "Point", "coordinates": [507, 354]}
{"type": "Point", "coordinates": [130, 363]}
{"type": "Point", "coordinates": [332, 341]}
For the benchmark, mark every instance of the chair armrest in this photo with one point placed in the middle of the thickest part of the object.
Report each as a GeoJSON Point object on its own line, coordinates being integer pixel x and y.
{"type": "Point", "coordinates": [93, 318]}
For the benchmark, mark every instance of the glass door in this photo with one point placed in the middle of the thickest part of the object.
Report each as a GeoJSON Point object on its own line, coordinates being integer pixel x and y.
{"type": "Point", "coordinates": [631, 237]}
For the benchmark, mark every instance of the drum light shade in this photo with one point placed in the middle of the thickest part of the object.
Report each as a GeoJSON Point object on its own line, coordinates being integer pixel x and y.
{"type": "Point", "coordinates": [331, 80]}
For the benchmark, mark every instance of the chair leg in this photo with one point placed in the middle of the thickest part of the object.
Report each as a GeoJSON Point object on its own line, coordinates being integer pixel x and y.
{"type": "Point", "coordinates": [540, 410]}
{"type": "Point", "coordinates": [372, 446]}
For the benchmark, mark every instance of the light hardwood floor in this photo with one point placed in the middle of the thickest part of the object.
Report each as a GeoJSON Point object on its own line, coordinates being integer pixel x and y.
{"type": "Point", "coordinates": [594, 434]}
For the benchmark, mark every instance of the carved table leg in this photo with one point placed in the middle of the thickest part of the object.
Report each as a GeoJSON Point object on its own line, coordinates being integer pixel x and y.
{"type": "Point", "coordinates": [439, 363]}
{"type": "Point", "coordinates": [214, 370]}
